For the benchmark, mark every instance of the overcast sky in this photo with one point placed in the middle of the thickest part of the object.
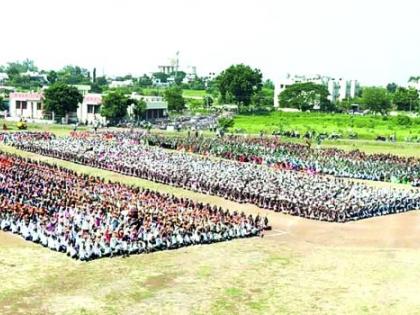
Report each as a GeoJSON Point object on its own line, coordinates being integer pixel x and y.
{"type": "Point", "coordinates": [374, 41]}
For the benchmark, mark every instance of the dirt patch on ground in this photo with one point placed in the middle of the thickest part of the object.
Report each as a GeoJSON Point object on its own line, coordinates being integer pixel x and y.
{"type": "Point", "coordinates": [160, 281]}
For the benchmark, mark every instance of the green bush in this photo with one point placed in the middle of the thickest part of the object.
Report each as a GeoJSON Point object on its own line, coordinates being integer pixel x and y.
{"type": "Point", "coordinates": [403, 120]}
{"type": "Point", "coordinates": [226, 123]}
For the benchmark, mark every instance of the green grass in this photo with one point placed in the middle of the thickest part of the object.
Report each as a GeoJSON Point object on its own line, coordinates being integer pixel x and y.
{"type": "Point", "coordinates": [367, 127]}
{"type": "Point", "coordinates": [153, 91]}
{"type": "Point", "coordinates": [58, 129]}
{"type": "Point", "coordinates": [194, 93]}
{"type": "Point", "coordinates": [370, 146]}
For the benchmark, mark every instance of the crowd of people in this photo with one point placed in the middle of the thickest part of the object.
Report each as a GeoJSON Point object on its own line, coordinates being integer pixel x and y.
{"type": "Point", "coordinates": [272, 151]}
{"type": "Point", "coordinates": [88, 217]}
{"type": "Point", "coordinates": [312, 196]}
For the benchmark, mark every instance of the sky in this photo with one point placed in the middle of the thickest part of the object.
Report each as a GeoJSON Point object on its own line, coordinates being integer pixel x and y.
{"type": "Point", "coordinates": [373, 41]}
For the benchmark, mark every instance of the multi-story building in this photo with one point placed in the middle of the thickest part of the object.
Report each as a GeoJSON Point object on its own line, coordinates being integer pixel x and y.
{"type": "Point", "coordinates": [89, 110]}
{"type": "Point", "coordinates": [338, 89]}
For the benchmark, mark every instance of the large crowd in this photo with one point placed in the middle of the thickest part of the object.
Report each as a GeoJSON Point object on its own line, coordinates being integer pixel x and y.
{"type": "Point", "coordinates": [271, 151]}
{"type": "Point", "coordinates": [311, 195]}
{"type": "Point", "coordinates": [88, 217]}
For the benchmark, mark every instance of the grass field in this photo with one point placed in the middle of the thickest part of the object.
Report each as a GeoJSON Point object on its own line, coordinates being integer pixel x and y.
{"type": "Point", "coordinates": [402, 149]}
{"type": "Point", "coordinates": [301, 267]}
{"type": "Point", "coordinates": [54, 128]}
{"type": "Point", "coordinates": [369, 146]}
{"type": "Point", "coordinates": [367, 127]}
{"type": "Point", "coordinates": [194, 93]}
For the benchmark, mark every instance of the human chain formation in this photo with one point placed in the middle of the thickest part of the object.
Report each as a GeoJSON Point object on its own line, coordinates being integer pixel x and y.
{"type": "Point", "coordinates": [87, 217]}
{"type": "Point", "coordinates": [293, 156]}
{"type": "Point", "coordinates": [297, 193]}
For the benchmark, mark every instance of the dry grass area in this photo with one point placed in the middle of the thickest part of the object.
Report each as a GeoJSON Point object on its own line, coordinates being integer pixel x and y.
{"type": "Point", "coordinates": [301, 267]}
{"type": "Point", "coordinates": [252, 276]}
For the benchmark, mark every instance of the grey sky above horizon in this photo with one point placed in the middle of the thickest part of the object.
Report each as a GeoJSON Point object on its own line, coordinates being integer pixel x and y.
{"type": "Point", "coordinates": [373, 41]}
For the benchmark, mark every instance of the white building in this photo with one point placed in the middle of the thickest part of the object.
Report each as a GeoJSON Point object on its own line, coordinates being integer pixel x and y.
{"type": "Point", "coordinates": [89, 111]}
{"type": "Point", "coordinates": [338, 89]}
{"type": "Point", "coordinates": [167, 69]}
{"type": "Point", "coordinates": [35, 75]}
{"type": "Point", "coordinates": [3, 77]}
{"type": "Point", "coordinates": [118, 84]}
{"type": "Point", "coordinates": [25, 105]}
{"type": "Point", "coordinates": [414, 84]}
{"type": "Point", "coordinates": [84, 89]}
{"type": "Point", "coordinates": [29, 106]}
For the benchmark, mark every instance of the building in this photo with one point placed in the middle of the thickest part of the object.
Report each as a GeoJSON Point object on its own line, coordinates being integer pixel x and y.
{"type": "Point", "coordinates": [35, 75]}
{"type": "Point", "coordinates": [26, 105]}
{"type": "Point", "coordinates": [3, 77]}
{"type": "Point", "coordinates": [29, 106]}
{"type": "Point", "coordinates": [156, 106]}
{"type": "Point", "coordinates": [190, 74]}
{"type": "Point", "coordinates": [338, 89]}
{"type": "Point", "coordinates": [89, 110]}
{"type": "Point", "coordinates": [84, 89]}
{"type": "Point", "coordinates": [167, 69]}
{"type": "Point", "coordinates": [414, 84]}
{"type": "Point", "coordinates": [119, 84]}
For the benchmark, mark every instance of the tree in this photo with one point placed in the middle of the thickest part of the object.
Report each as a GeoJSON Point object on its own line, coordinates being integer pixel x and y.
{"type": "Point", "coordinates": [306, 96]}
{"type": "Point", "coordinates": [94, 75]}
{"type": "Point", "coordinates": [392, 87]}
{"type": "Point", "coordinates": [13, 70]}
{"type": "Point", "coordinates": [345, 105]}
{"type": "Point", "coordinates": [95, 88]}
{"type": "Point", "coordinates": [406, 99]}
{"type": "Point", "coordinates": [377, 100]}
{"type": "Point", "coordinates": [74, 75]}
{"type": "Point", "coordinates": [21, 67]}
{"type": "Point", "coordinates": [2, 105]}
{"type": "Point", "coordinates": [139, 108]}
{"type": "Point", "coordinates": [197, 84]}
{"type": "Point", "coordinates": [161, 76]}
{"type": "Point", "coordinates": [101, 81]}
{"type": "Point", "coordinates": [145, 81]}
{"type": "Point", "coordinates": [179, 76]}
{"type": "Point", "coordinates": [62, 99]}
{"type": "Point", "coordinates": [114, 106]}
{"type": "Point", "coordinates": [52, 77]}
{"type": "Point", "coordinates": [239, 83]}
{"type": "Point", "coordinates": [208, 101]}
{"type": "Point", "coordinates": [226, 123]}
{"type": "Point", "coordinates": [29, 65]}
{"type": "Point", "coordinates": [268, 84]}
{"type": "Point", "coordinates": [174, 98]}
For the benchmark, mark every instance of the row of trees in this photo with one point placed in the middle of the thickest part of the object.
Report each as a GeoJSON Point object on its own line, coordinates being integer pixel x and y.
{"type": "Point", "coordinates": [310, 96]}
{"type": "Point", "coordinates": [74, 75]}
{"type": "Point", "coordinates": [239, 84]}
